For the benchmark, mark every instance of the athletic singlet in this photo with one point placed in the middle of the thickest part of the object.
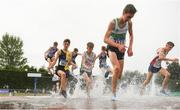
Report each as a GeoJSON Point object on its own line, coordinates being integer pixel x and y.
{"type": "Point", "coordinates": [74, 57]}
{"type": "Point", "coordinates": [118, 35]}
{"type": "Point", "coordinates": [89, 61]}
{"type": "Point", "coordinates": [102, 59]}
{"type": "Point", "coordinates": [52, 51]}
{"type": "Point", "coordinates": [64, 58]}
{"type": "Point", "coordinates": [156, 62]}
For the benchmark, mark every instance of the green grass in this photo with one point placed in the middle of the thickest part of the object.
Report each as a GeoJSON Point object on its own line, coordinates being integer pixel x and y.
{"type": "Point", "coordinates": [175, 93]}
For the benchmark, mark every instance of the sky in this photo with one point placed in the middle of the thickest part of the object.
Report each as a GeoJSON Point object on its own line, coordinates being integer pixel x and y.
{"type": "Point", "coordinates": [41, 22]}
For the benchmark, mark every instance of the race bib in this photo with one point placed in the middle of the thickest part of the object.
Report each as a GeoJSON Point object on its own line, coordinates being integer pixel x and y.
{"type": "Point", "coordinates": [63, 62]}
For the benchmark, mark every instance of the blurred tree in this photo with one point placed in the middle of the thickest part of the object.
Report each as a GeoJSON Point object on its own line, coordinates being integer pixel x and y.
{"type": "Point", "coordinates": [28, 68]}
{"type": "Point", "coordinates": [173, 84]}
{"type": "Point", "coordinates": [174, 69]}
{"type": "Point", "coordinates": [43, 70]}
{"type": "Point", "coordinates": [11, 53]}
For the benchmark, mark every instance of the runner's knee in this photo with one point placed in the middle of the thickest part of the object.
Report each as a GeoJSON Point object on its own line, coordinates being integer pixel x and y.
{"type": "Point", "coordinates": [147, 81]}
{"type": "Point", "coordinates": [168, 75]}
{"type": "Point", "coordinates": [63, 75]}
{"type": "Point", "coordinates": [116, 69]}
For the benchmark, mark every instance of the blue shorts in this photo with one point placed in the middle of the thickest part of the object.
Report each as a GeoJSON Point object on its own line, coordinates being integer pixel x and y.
{"type": "Point", "coordinates": [153, 69]}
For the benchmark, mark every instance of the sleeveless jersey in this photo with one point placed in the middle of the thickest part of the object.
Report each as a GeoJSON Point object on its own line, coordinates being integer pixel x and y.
{"type": "Point", "coordinates": [52, 51]}
{"type": "Point", "coordinates": [156, 62]}
{"type": "Point", "coordinates": [118, 35]}
{"type": "Point", "coordinates": [102, 59]}
{"type": "Point", "coordinates": [74, 57]}
{"type": "Point", "coordinates": [89, 61]}
{"type": "Point", "coordinates": [64, 59]}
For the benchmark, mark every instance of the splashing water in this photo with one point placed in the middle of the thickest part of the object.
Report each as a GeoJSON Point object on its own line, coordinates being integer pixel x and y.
{"type": "Point", "coordinates": [101, 88]}
{"type": "Point", "coordinates": [97, 89]}
{"type": "Point", "coordinates": [100, 98]}
{"type": "Point", "coordinates": [153, 88]}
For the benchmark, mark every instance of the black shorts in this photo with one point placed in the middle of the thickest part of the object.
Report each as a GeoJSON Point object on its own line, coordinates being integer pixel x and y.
{"type": "Point", "coordinates": [48, 57]}
{"type": "Point", "coordinates": [54, 82]}
{"type": "Point", "coordinates": [88, 73]}
{"type": "Point", "coordinates": [153, 69]}
{"type": "Point", "coordinates": [120, 55]}
{"type": "Point", "coordinates": [67, 72]}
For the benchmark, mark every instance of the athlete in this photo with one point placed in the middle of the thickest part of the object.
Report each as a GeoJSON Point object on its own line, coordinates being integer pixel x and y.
{"type": "Point", "coordinates": [64, 60]}
{"type": "Point", "coordinates": [115, 37]}
{"type": "Point", "coordinates": [102, 62]}
{"type": "Point", "coordinates": [155, 66]}
{"type": "Point", "coordinates": [87, 64]}
{"type": "Point", "coordinates": [74, 55]}
{"type": "Point", "coordinates": [50, 56]}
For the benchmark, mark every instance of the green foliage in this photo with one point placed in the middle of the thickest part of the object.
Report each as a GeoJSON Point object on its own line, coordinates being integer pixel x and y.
{"type": "Point", "coordinates": [174, 69]}
{"type": "Point", "coordinates": [19, 80]}
{"type": "Point", "coordinates": [13, 68]}
{"type": "Point", "coordinates": [174, 85]}
{"type": "Point", "coordinates": [43, 70]}
{"type": "Point", "coordinates": [11, 53]}
{"type": "Point", "coordinates": [33, 69]}
{"type": "Point", "coordinates": [174, 82]}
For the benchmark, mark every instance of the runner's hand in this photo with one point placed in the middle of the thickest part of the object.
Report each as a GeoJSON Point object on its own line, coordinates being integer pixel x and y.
{"type": "Point", "coordinates": [176, 60]}
{"type": "Point", "coordinates": [121, 47]}
{"type": "Point", "coordinates": [130, 52]}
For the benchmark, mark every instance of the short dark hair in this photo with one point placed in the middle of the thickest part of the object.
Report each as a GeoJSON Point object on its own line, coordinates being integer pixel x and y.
{"type": "Point", "coordinates": [67, 40]}
{"type": "Point", "coordinates": [55, 43]}
{"type": "Point", "coordinates": [90, 45]}
{"type": "Point", "coordinates": [129, 8]}
{"type": "Point", "coordinates": [170, 43]}
{"type": "Point", "coordinates": [103, 48]}
{"type": "Point", "coordinates": [75, 50]}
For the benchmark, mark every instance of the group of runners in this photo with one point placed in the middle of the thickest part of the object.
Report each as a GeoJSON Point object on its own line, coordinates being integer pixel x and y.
{"type": "Point", "coordinates": [115, 38]}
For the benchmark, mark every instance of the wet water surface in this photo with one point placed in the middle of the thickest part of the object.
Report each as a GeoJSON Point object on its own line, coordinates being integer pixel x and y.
{"type": "Point", "coordinates": [58, 102]}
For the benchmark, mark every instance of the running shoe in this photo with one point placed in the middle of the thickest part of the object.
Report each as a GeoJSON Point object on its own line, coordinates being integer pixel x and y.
{"type": "Point", "coordinates": [114, 98]}
{"type": "Point", "coordinates": [164, 92]}
{"type": "Point", "coordinates": [106, 74]}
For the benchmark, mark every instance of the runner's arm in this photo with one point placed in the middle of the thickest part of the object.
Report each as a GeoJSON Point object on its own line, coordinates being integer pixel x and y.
{"type": "Point", "coordinates": [79, 54]}
{"type": "Point", "coordinates": [46, 52]}
{"type": "Point", "coordinates": [131, 36]}
{"type": "Point", "coordinates": [94, 61]}
{"type": "Point", "coordinates": [130, 30]}
{"type": "Point", "coordinates": [97, 56]}
{"type": "Point", "coordinates": [107, 39]}
{"type": "Point", "coordinates": [162, 56]}
{"type": "Point", "coordinates": [83, 61]}
{"type": "Point", "coordinates": [72, 64]}
{"type": "Point", "coordinates": [56, 58]}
